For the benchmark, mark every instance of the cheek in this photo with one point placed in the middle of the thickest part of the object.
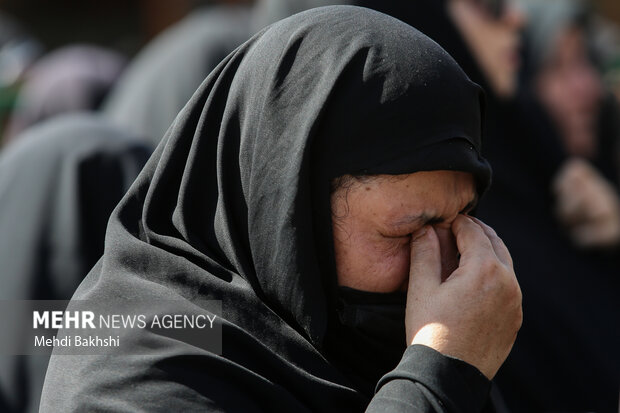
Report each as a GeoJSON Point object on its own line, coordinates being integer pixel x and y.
{"type": "Point", "coordinates": [392, 267]}
{"type": "Point", "coordinates": [373, 265]}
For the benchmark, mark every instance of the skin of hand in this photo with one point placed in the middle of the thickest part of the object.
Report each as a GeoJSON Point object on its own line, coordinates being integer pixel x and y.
{"type": "Point", "coordinates": [473, 315]}
{"type": "Point", "coordinates": [587, 205]}
{"type": "Point", "coordinates": [405, 233]}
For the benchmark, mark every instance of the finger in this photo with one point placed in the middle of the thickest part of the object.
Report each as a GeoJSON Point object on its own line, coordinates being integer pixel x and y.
{"type": "Point", "coordinates": [471, 240]}
{"type": "Point", "coordinates": [586, 235]}
{"type": "Point", "coordinates": [425, 267]}
{"type": "Point", "coordinates": [571, 176]}
{"type": "Point", "coordinates": [501, 251]}
{"type": "Point", "coordinates": [564, 180]}
{"type": "Point", "coordinates": [572, 208]}
{"type": "Point", "coordinates": [595, 235]}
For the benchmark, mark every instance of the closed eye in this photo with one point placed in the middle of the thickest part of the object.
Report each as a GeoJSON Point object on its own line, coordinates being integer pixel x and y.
{"type": "Point", "coordinates": [434, 221]}
{"type": "Point", "coordinates": [399, 237]}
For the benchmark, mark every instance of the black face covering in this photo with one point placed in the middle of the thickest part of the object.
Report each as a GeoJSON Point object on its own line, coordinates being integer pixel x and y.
{"type": "Point", "coordinates": [372, 314]}
{"type": "Point", "coordinates": [370, 339]}
{"type": "Point", "coordinates": [235, 206]}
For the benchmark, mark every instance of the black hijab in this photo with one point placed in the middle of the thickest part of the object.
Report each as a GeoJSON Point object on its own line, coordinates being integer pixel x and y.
{"type": "Point", "coordinates": [432, 18]}
{"type": "Point", "coordinates": [235, 206]}
{"type": "Point", "coordinates": [58, 185]}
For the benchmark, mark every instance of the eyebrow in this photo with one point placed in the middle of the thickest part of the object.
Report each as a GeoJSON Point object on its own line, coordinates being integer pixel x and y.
{"type": "Point", "coordinates": [430, 219]}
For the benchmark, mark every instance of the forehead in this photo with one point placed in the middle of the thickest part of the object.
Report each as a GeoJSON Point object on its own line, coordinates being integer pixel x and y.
{"type": "Point", "coordinates": [435, 194]}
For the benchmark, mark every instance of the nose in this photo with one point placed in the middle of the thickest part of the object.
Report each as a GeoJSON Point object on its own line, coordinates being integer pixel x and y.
{"type": "Point", "coordinates": [586, 84]}
{"type": "Point", "coordinates": [449, 251]}
{"type": "Point", "coordinates": [514, 14]}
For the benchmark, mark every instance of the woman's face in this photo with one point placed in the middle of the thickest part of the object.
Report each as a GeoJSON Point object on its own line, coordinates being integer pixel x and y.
{"type": "Point", "coordinates": [494, 41]}
{"type": "Point", "coordinates": [373, 220]}
{"type": "Point", "coordinates": [571, 90]}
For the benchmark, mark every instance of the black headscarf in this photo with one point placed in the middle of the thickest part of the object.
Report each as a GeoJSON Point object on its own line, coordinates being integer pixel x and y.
{"type": "Point", "coordinates": [431, 17]}
{"type": "Point", "coordinates": [235, 206]}
{"type": "Point", "coordinates": [58, 185]}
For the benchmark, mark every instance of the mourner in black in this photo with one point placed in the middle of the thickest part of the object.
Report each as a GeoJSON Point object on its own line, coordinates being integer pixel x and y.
{"type": "Point", "coordinates": [290, 144]}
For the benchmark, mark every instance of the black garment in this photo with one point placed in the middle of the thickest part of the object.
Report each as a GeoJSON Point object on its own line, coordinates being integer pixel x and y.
{"type": "Point", "coordinates": [568, 344]}
{"type": "Point", "coordinates": [569, 341]}
{"type": "Point", "coordinates": [538, 123]}
{"type": "Point", "coordinates": [58, 185]}
{"type": "Point", "coordinates": [369, 327]}
{"type": "Point", "coordinates": [235, 206]}
{"type": "Point", "coordinates": [566, 355]}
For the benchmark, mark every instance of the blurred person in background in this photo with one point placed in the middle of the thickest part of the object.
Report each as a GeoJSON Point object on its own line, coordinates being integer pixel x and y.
{"type": "Point", "coordinates": [163, 76]}
{"type": "Point", "coordinates": [155, 86]}
{"type": "Point", "coordinates": [565, 97]}
{"type": "Point", "coordinates": [59, 182]}
{"type": "Point", "coordinates": [555, 202]}
{"type": "Point", "coordinates": [70, 79]}
{"type": "Point", "coordinates": [606, 43]}
{"type": "Point", "coordinates": [59, 186]}
{"type": "Point", "coordinates": [266, 12]}
{"type": "Point", "coordinates": [612, 77]}
{"type": "Point", "coordinates": [18, 50]}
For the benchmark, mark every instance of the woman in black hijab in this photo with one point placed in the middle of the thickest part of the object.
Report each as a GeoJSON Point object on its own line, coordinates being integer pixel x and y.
{"type": "Point", "coordinates": [566, 357]}
{"type": "Point", "coordinates": [235, 206]}
{"type": "Point", "coordinates": [567, 106]}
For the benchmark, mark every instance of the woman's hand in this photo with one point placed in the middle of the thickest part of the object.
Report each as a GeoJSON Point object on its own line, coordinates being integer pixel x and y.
{"type": "Point", "coordinates": [587, 205]}
{"type": "Point", "coordinates": [473, 315]}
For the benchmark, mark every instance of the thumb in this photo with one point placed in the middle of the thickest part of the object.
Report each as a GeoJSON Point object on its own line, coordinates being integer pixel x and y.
{"type": "Point", "coordinates": [425, 267]}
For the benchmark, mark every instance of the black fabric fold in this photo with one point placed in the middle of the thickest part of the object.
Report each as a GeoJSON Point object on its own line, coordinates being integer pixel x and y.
{"type": "Point", "coordinates": [460, 386]}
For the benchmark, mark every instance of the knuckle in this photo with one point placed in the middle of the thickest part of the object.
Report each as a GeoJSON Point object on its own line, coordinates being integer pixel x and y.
{"type": "Point", "coordinates": [519, 320]}
{"type": "Point", "coordinates": [487, 228]}
{"type": "Point", "coordinates": [514, 300]}
{"type": "Point", "coordinates": [492, 235]}
{"type": "Point", "coordinates": [514, 290]}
